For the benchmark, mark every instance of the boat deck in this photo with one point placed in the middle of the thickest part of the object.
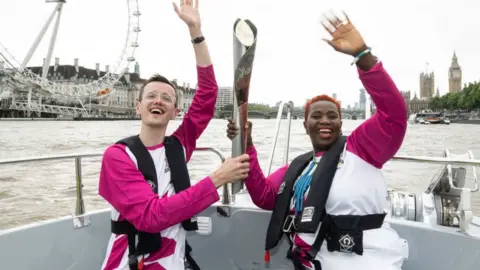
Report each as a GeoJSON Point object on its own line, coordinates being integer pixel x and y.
{"type": "Point", "coordinates": [236, 242]}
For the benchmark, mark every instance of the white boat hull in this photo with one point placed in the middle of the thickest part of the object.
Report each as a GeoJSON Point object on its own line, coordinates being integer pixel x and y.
{"type": "Point", "coordinates": [236, 242]}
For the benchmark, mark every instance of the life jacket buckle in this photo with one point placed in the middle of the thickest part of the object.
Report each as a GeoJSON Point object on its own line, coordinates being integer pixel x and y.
{"type": "Point", "coordinates": [289, 223]}
{"type": "Point", "coordinates": [132, 261]}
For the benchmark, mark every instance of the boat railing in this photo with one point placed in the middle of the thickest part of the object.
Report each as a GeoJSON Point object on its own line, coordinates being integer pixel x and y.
{"type": "Point", "coordinates": [437, 160]}
{"type": "Point", "coordinates": [281, 107]}
{"type": "Point", "coordinates": [463, 209]}
{"type": "Point", "coordinates": [415, 159]}
{"type": "Point", "coordinates": [80, 219]}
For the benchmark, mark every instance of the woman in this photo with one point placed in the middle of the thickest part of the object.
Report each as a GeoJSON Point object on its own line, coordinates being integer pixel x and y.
{"type": "Point", "coordinates": [330, 201]}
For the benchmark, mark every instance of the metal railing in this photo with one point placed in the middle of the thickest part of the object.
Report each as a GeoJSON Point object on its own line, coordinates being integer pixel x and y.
{"type": "Point", "coordinates": [418, 159]}
{"type": "Point", "coordinates": [465, 211]}
{"type": "Point", "coordinates": [47, 158]}
{"type": "Point", "coordinates": [226, 198]}
{"type": "Point", "coordinates": [80, 205]}
{"type": "Point", "coordinates": [437, 160]}
{"type": "Point", "coordinates": [226, 201]}
{"type": "Point", "coordinates": [290, 109]}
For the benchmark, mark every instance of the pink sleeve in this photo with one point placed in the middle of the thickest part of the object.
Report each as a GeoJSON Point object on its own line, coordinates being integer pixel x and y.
{"type": "Point", "coordinates": [263, 191]}
{"type": "Point", "coordinates": [201, 110]}
{"type": "Point", "coordinates": [378, 139]}
{"type": "Point", "coordinates": [124, 187]}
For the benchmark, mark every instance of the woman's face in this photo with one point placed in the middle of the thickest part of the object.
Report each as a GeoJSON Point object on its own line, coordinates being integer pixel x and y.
{"type": "Point", "coordinates": [323, 124]}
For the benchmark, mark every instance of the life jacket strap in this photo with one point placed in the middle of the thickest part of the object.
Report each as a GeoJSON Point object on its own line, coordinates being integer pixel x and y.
{"type": "Point", "coordinates": [343, 234]}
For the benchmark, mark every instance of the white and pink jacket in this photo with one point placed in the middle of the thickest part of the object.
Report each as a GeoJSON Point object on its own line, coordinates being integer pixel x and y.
{"type": "Point", "coordinates": [358, 187]}
{"type": "Point", "coordinates": [131, 197]}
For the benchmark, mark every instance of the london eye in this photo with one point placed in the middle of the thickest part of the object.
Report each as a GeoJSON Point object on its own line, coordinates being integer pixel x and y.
{"type": "Point", "coordinates": [37, 81]}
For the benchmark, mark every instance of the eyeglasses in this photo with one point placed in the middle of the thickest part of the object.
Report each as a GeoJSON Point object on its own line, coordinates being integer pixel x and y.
{"type": "Point", "coordinates": [163, 96]}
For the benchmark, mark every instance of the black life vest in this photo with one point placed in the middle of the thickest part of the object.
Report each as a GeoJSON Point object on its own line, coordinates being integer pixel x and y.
{"type": "Point", "coordinates": [335, 228]}
{"type": "Point", "coordinates": [180, 179]}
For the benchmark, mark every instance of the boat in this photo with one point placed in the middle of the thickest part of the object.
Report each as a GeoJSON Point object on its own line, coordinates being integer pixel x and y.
{"type": "Point", "coordinates": [426, 117]}
{"type": "Point", "coordinates": [430, 117]}
{"type": "Point", "coordinates": [438, 224]}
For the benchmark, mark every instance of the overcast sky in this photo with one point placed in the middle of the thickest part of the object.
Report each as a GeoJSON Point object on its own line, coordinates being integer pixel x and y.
{"type": "Point", "coordinates": [291, 63]}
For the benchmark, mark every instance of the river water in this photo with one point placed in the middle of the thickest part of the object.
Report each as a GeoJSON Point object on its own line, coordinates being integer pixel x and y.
{"type": "Point", "coordinates": [37, 191]}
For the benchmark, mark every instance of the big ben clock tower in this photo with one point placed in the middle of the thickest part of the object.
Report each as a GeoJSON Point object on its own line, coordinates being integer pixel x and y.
{"type": "Point", "coordinates": [454, 76]}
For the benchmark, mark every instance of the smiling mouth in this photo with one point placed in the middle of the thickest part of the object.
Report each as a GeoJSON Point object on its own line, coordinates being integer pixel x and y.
{"type": "Point", "coordinates": [324, 131]}
{"type": "Point", "coordinates": [157, 111]}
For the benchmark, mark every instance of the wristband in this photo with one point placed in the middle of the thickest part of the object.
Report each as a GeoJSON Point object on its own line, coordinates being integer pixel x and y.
{"type": "Point", "coordinates": [198, 40]}
{"type": "Point", "coordinates": [355, 60]}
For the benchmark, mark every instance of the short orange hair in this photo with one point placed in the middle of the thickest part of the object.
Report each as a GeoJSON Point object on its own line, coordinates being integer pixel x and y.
{"type": "Point", "coordinates": [322, 97]}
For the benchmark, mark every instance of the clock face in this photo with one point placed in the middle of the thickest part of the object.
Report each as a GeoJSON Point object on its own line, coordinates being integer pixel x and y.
{"type": "Point", "coordinates": [456, 73]}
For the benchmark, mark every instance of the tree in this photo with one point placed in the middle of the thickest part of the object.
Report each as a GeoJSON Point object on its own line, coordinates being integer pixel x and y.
{"type": "Point", "coordinates": [227, 107]}
{"type": "Point", "coordinates": [251, 107]}
{"type": "Point", "coordinates": [467, 99]}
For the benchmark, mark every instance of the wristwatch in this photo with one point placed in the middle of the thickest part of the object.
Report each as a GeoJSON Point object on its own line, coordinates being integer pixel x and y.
{"type": "Point", "coordinates": [198, 40]}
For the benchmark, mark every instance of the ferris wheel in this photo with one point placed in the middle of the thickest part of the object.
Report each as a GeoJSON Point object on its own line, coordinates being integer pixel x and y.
{"type": "Point", "coordinates": [95, 89]}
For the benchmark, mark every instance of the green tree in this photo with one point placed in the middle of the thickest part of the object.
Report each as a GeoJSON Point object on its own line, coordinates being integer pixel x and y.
{"type": "Point", "coordinates": [436, 103]}
{"type": "Point", "coordinates": [467, 99]}
{"type": "Point", "coordinates": [227, 107]}
{"type": "Point", "coordinates": [251, 107]}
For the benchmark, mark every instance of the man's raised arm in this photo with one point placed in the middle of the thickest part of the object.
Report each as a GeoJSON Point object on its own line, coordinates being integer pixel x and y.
{"type": "Point", "coordinates": [202, 109]}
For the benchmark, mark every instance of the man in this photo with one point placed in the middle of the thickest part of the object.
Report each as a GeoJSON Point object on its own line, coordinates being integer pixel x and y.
{"type": "Point", "coordinates": [145, 177]}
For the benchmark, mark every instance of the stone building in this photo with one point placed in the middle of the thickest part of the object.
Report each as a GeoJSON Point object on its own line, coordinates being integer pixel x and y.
{"type": "Point", "coordinates": [415, 104]}
{"type": "Point", "coordinates": [125, 92]}
{"type": "Point", "coordinates": [454, 76]}
{"type": "Point", "coordinates": [427, 84]}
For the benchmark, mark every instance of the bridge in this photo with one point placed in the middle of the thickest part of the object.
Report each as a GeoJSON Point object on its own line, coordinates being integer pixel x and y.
{"type": "Point", "coordinates": [254, 114]}
{"type": "Point", "coordinates": [297, 113]}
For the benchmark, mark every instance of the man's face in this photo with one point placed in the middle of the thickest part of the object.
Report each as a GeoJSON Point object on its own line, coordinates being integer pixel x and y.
{"type": "Point", "coordinates": [157, 106]}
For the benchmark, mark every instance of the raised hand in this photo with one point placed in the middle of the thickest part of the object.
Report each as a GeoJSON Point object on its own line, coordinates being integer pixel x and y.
{"type": "Point", "coordinates": [188, 13]}
{"type": "Point", "coordinates": [345, 37]}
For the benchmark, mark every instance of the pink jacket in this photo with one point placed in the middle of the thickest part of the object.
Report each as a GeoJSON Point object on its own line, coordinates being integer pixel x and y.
{"type": "Point", "coordinates": [124, 187]}
{"type": "Point", "coordinates": [375, 140]}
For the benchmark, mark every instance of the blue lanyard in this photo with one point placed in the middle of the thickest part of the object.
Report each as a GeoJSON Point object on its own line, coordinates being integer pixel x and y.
{"type": "Point", "coordinates": [301, 186]}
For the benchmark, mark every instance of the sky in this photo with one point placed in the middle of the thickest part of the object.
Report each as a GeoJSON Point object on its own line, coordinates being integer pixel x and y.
{"type": "Point", "coordinates": [291, 62]}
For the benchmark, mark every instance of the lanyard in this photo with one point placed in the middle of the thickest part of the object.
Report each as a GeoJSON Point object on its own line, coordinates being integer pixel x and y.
{"type": "Point", "coordinates": [301, 187]}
